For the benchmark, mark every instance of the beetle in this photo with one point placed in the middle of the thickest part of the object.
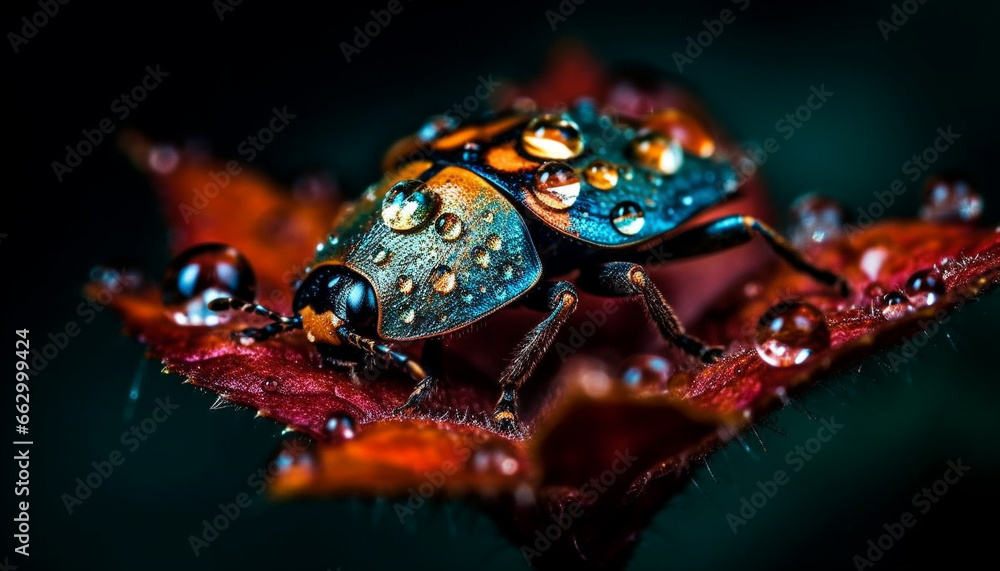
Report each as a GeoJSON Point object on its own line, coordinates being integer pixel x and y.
{"type": "Point", "coordinates": [471, 218]}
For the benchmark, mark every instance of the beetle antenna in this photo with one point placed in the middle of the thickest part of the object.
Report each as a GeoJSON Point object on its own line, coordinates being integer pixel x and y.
{"type": "Point", "coordinates": [227, 303]}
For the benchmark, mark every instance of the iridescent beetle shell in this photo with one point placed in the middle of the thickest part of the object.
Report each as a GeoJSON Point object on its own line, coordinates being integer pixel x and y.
{"type": "Point", "coordinates": [449, 235]}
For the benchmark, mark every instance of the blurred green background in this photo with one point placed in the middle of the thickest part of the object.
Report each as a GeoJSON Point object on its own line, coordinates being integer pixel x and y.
{"type": "Point", "coordinates": [889, 99]}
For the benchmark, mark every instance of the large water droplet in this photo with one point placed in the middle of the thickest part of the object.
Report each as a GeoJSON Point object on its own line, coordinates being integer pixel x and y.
{"type": "Point", "coordinates": [203, 273]}
{"type": "Point", "coordinates": [449, 226]}
{"type": "Point", "coordinates": [815, 219]}
{"type": "Point", "coordinates": [404, 284]}
{"type": "Point", "coordinates": [556, 185]}
{"type": "Point", "coordinates": [655, 152]}
{"type": "Point", "coordinates": [443, 279]}
{"type": "Point", "coordinates": [789, 333]}
{"type": "Point", "coordinates": [481, 257]}
{"type": "Point", "coordinates": [552, 137]}
{"type": "Point", "coordinates": [895, 304]}
{"type": "Point", "coordinates": [409, 204]}
{"type": "Point", "coordinates": [339, 427]}
{"type": "Point", "coordinates": [925, 287]}
{"type": "Point", "coordinates": [408, 316]}
{"type": "Point", "coordinates": [646, 371]}
{"type": "Point", "coordinates": [628, 218]}
{"type": "Point", "coordinates": [678, 126]}
{"type": "Point", "coordinates": [950, 198]}
{"type": "Point", "coordinates": [270, 385]}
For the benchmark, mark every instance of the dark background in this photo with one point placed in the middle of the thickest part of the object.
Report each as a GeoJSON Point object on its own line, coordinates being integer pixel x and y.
{"type": "Point", "coordinates": [889, 98]}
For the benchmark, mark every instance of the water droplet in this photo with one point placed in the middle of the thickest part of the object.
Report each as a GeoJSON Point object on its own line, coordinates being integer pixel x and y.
{"type": "Point", "coordinates": [925, 287]}
{"type": "Point", "coordinates": [646, 371]}
{"type": "Point", "coordinates": [678, 126]}
{"type": "Point", "coordinates": [295, 454]}
{"type": "Point", "coordinates": [493, 242]}
{"type": "Point", "coordinates": [117, 277]}
{"type": "Point", "coordinates": [556, 185]}
{"type": "Point", "coordinates": [950, 198]}
{"type": "Point", "coordinates": [628, 218]}
{"type": "Point", "coordinates": [657, 153]}
{"type": "Point", "coordinates": [481, 257]}
{"type": "Point", "coordinates": [437, 126]}
{"type": "Point", "coordinates": [601, 175]}
{"type": "Point", "coordinates": [382, 258]}
{"type": "Point", "coordinates": [470, 151]}
{"type": "Point", "coordinates": [815, 219]}
{"type": "Point", "coordinates": [872, 260]}
{"type": "Point", "coordinates": [552, 137]}
{"type": "Point", "coordinates": [449, 226]}
{"type": "Point", "coordinates": [874, 290]}
{"type": "Point", "coordinates": [443, 279]}
{"type": "Point", "coordinates": [404, 284]}
{"type": "Point", "coordinates": [789, 333]}
{"type": "Point", "coordinates": [203, 273]}
{"type": "Point", "coordinates": [270, 385]}
{"type": "Point", "coordinates": [488, 218]}
{"type": "Point", "coordinates": [895, 304]}
{"type": "Point", "coordinates": [339, 427]}
{"type": "Point", "coordinates": [409, 204]}
{"type": "Point", "coordinates": [408, 316]}
{"type": "Point", "coordinates": [163, 159]}
{"type": "Point", "coordinates": [494, 458]}
{"type": "Point", "coordinates": [468, 297]}
{"type": "Point", "coordinates": [508, 272]}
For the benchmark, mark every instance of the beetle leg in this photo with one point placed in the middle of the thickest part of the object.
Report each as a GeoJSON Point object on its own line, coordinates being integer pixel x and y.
{"type": "Point", "coordinates": [425, 382]}
{"type": "Point", "coordinates": [280, 325]}
{"type": "Point", "coordinates": [729, 232]}
{"type": "Point", "coordinates": [628, 279]}
{"type": "Point", "coordinates": [559, 299]}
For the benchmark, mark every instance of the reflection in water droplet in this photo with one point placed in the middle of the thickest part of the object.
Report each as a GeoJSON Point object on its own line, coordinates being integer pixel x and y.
{"type": "Point", "coordinates": [646, 371]}
{"type": "Point", "coordinates": [602, 175]}
{"type": "Point", "coordinates": [339, 427]}
{"type": "Point", "coordinates": [269, 385]}
{"type": "Point", "coordinates": [789, 333]}
{"type": "Point", "coordinates": [895, 304]}
{"type": "Point", "coordinates": [443, 279]}
{"type": "Point", "coordinates": [481, 257]}
{"type": "Point", "coordinates": [815, 219]}
{"type": "Point", "coordinates": [404, 284]}
{"type": "Point", "coordinates": [657, 153]}
{"type": "Point", "coordinates": [409, 204]}
{"type": "Point", "coordinates": [203, 273]}
{"type": "Point", "coordinates": [556, 185]}
{"type": "Point", "coordinates": [628, 218]}
{"type": "Point", "coordinates": [448, 226]}
{"type": "Point", "coordinates": [382, 258]}
{"type": "Point", "coordinates": [950, 198]}
{"type": "Point", "coordinates": [678, 126]}
{"type": "Point", "coordinates": [925, 287]}
{"type": "Point", "coordinates": [408, 316]}
{"type": "Point", "coordinates": [552, 137]}
{"type": "Point", "coordinates": [493, 242]}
